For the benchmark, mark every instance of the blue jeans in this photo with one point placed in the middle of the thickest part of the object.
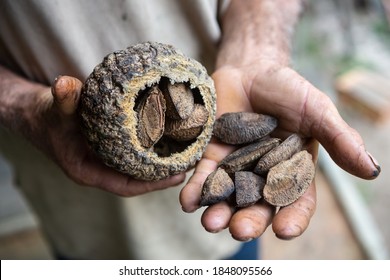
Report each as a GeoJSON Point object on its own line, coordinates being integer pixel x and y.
{"type": "Point", "coordinates": [248, 251]}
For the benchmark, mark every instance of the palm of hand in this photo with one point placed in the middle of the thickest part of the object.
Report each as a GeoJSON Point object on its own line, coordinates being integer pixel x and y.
{"type": "Point", "coordinates": [300, 108]}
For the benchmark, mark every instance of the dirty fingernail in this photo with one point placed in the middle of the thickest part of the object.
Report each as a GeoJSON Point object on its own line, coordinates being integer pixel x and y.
{"type": "Point", "coordinates": [376, 164]}
{"type": "Point", "coordinates": [284, 237]}
{"type": "Point", "coordinates": [247, 239]}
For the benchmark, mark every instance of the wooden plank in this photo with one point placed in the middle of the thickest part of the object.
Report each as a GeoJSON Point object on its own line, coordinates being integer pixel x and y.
{"type": "Point", "coordinates": [367, 92]}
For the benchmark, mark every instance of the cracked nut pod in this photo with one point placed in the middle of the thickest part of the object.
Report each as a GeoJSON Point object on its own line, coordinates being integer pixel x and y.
{"type": "Point", "coordinates": [148, 111]}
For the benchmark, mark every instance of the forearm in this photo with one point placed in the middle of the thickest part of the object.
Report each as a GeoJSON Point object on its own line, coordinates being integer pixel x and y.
{"type": "Point", "coordinates": [21, 102]}
{"type": "Point", "coordinates": [258, 29]}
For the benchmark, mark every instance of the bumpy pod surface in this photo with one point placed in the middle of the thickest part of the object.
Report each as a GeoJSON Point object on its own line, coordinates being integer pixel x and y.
{"type": "Point", "coordinates": [110, 96]}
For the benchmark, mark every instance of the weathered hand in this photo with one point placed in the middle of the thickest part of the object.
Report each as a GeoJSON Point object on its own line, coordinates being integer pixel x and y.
{"type": "Point", "coordinates": [300, 108]}
{"type": "Point", "coordinates": [66, 145]}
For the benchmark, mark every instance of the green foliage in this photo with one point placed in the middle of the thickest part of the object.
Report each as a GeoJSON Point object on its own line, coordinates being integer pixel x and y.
{"type": "Point", "coordinates": [347, 62]}
{"type": "Point", "coordinates": [382, 29]}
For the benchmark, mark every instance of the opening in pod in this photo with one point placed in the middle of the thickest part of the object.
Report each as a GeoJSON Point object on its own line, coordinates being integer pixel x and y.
{"type": "Point", "coordinates": [170, 116]}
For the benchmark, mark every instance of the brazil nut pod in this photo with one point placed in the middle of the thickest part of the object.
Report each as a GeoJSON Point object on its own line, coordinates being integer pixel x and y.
{"type": "Point", "coordinates": [148, 110]}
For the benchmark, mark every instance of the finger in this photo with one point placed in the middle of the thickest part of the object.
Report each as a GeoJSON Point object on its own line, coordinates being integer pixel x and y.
{"type": "Point", "coordinates": [251, 222]}
{"type": "Point", "coordinates": [216, 217]}
{"type": "Point", "coordinates": [231, 96]}
{"type": "Point", "coordinates": [132, 187]}
{"type": "Point", "coordinates": [66, 92]}
{"type": "Point", "coordinates": [301, 107]}
{"type": "Point", "coordinates": [291, 221]}
{"type": "Point", "coordinates": [93, 173]}
{"type": "Point", "coordinates": [190, 194]}
{"type": "Point", "coordinates": [342, 142]}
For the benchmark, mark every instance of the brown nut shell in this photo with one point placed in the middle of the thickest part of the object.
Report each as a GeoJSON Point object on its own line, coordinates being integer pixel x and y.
{"type": "Point", "coordinates": [249, 188]}
{"type": "Point", "coordinates": [217, 187]}
{"type": "Point", "coordinates": [289, 179]}
{"type": "Point", "coordinates": [180, 100]}
{"type": "Point", "coordinates": [107, 108]}
{"type": "Point", "coordinates": [243, 127]}
{"type": "Point", "coordinates": [284, 151]}
{"type": "Point", "coordinates": [245, 158]}
{"type": "Point", "coordinates": [190, 128]}
{"type": "Point", "coordinates": [151, 113]}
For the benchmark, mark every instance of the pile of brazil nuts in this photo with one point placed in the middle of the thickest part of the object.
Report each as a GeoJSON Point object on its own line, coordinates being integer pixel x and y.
{"type": "Point", "coordinates": [279, 171]}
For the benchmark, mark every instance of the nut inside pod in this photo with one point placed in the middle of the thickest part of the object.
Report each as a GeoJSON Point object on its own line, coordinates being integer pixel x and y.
{"type": "Point", "coordinates": [148, 110]}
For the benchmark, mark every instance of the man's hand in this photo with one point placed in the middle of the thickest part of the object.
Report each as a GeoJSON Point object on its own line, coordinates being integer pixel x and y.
{"type": "Point", "coordinates": [47, 118]}
{"type": "Point", "coordinates": [268, 88]}
{"type": "Point", "coordinates": [77, 160]}
{"type": "Point", "coordinates": [253, 75]}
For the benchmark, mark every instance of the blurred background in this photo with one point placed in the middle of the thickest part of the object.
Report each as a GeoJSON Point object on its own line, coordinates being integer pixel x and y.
{"type": "Point", "coordinates": [343, 48]}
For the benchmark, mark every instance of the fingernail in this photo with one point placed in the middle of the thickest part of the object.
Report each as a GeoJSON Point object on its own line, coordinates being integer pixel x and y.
{"type": "Point", "coordinates": [248, 240]}
{"type": "Point", "coordinates": [186, 210]}
{"type": "Point", "coordinates": [214, 230]}
{"type": "Point", "coordinates": [56, 78]}
{"type": "Point", "coordinates": [245, 239]}
{"type": "Point", "coordinates": [376, 164]}
{"type": "Point", "coordinates": [284, 237]}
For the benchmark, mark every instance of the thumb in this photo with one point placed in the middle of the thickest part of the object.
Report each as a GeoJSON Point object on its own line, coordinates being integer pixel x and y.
{"type": "Point", "coordinates": [303, 108]}
{"type": "Point", "coordinates": [343, 143]}
{"type": "Point", "coordinates": [66, 93]}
